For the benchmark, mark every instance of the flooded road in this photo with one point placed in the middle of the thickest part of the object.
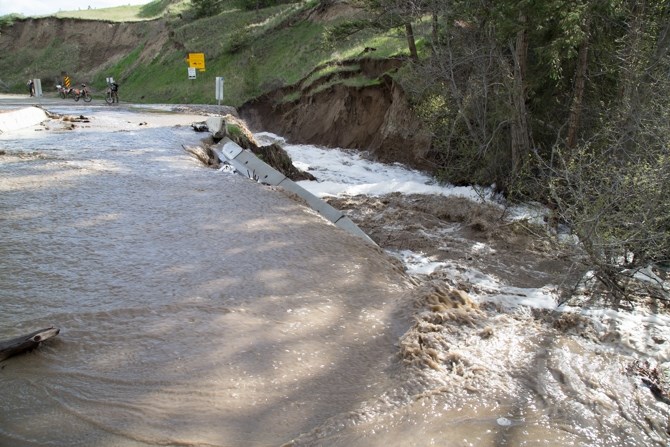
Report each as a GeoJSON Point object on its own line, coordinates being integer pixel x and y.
{"type": "Point", "coordinates": [199, 308]}
{"type": "Point", "coordinates": [196, 308]}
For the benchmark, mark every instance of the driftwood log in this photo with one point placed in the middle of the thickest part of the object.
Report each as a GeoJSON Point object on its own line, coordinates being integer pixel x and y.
{"type": "Point", "coordinates": [25, 343]}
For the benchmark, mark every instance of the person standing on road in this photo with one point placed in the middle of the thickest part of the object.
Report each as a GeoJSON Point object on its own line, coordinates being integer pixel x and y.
{"type": "Point", "coordinates": [115, 92]}
{"type": "Point", "coordinates": [31, 87]}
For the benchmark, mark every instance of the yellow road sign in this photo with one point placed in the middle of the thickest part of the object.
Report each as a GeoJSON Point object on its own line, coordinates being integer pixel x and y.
{"type": "Point", "coordinates": [196, 60]}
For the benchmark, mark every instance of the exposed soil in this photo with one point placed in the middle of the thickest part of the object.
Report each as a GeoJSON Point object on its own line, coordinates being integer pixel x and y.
{"type": "Point", "coordinates": [96, 43]}
{"type": "Point", "coordinates": [374, 118]}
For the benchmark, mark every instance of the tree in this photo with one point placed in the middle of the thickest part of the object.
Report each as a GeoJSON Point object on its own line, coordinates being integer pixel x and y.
{"type": "Point", "coordinates": [580, 85]}
{"type": "Point", "coordinates": [613, 186]}
{"type": "Point", "coordinates": [205, 8]}
{"type": "Point", "coordinates": [400, 13]}
{"type": "Point", "coordinates": [478, 70]}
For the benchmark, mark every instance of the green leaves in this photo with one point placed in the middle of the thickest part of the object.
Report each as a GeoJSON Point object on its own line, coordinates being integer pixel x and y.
{"type": "Point", "coordinates": [205, 8]}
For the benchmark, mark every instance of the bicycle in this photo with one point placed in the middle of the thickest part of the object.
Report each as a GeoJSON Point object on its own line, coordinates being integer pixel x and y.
{"type": "Point", "coordinates": [64, 92]}
{"type": "Point", "coordinates": [83, 93]}
{"type": "Point", "coordinates": [112, 95]}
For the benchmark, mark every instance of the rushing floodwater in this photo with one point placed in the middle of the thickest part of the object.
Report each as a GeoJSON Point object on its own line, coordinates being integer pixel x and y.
{"type": "Point", "coordinates": [201, 308]}
{"type": "Point", "coordinates": [195, 307]}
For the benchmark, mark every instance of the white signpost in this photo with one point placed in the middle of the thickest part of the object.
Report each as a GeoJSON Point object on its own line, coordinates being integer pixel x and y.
{"type": "Point", "coordinates": [37, 86]}
{"type": "Point", "coordinates": [191, 72]}
{"type": "Point", "coordinates": [219, 89]}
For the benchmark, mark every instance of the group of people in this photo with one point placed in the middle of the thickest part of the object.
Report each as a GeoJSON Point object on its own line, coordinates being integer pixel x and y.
{"type": "Point", "coordinates": [113, 87]}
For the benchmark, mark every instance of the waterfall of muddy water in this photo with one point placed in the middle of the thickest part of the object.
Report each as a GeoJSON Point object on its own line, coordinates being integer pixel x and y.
{"type": "Point", "coordinates": [201, 308]}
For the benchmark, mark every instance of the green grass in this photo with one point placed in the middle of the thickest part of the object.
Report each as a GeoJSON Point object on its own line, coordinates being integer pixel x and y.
{"type": "Point", "coordinates": [158, 8]}
{"type": "Point", "coordinates": [327, 70]}
{"type": "Point", "coordinates": [356, 82]}
{"type": "Point", "coordinates": [116, 14]}
{"type": "Point", "coordinates": [128, 13]}
{"type": "Point", "coordinates": [291, 97]}
{"type": "Point", "coordinates": [361, 81]}
{"type": "Point", "coordinates": [254, 51]}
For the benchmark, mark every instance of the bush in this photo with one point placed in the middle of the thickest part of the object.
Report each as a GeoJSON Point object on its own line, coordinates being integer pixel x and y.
{"type": "Point", "coordinates": [618, 203]}
{"type": "Point", "coordinates": [205, 8]}
{"type": "Point", "coordinates": [9, 19]}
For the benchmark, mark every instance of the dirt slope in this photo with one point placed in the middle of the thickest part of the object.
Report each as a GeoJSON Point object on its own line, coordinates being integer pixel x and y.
{"type": "Point", "coordinates": [45, 47]}
{"type": "Point", "coordinates": [375, 118]}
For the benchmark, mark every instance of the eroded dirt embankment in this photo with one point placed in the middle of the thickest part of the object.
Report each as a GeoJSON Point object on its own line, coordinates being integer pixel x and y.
{"type": "Point", "coordinates": [78, 47]}
{"type": "Point", "coordinates": [375, 118]}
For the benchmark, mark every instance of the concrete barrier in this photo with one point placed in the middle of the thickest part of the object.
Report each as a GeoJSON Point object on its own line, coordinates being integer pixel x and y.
{"type": "Point", "coordinates": [217, 126]}
{"type": "Point", "coordinates": [247, 164]}
{"type": "Point", "coordinates": [21, 118]}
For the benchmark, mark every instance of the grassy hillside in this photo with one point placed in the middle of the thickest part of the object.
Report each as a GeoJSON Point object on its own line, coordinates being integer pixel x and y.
{"type": "Point", "coordinates": [254, 50]}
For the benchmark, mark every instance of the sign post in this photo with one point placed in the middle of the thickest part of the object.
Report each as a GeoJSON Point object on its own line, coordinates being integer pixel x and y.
{"type": "Point", "coordinates": [37, 83]}
{"type": "Point", "coordinates": [191, 72]}
{"type": "Point", "coordinates": [219, 89]}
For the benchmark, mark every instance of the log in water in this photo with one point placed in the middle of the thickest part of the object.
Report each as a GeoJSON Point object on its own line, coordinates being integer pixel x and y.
{"type": "Point", "coordinates": [24, 343]}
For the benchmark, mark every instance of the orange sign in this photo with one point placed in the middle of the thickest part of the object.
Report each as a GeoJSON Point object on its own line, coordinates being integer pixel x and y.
{"type": "Point", "coordinates": [196, 60]}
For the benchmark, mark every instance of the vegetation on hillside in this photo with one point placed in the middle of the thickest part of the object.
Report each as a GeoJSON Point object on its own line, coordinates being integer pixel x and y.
{"type": "Point", "coordinates": [9, 19]}
{"type": "Point", "coordinates": [255, 46]}
{"type": "Point", "coordinates": [565, 102]}
{"type": "Point", "coordinates": [128, 13]}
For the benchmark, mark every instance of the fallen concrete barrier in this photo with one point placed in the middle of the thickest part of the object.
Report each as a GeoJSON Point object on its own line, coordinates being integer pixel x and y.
{"type": "Point", "coordinates": [247, 164]}
{"type": "Point", "coordinates": [21, 118]}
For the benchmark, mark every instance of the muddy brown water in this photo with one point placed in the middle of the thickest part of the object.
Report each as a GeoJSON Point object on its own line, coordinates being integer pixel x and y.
{"type": "Point", "coordinates": [201, 308]}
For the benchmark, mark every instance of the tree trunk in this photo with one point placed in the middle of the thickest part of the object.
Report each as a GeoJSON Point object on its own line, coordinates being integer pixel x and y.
{"type": "Point", "coordinates": [411, 42]}
{"type": "Point", "coordinates": [520, 130]}
{"type": "Point", "coordinates": [577, 99]}
{"type": "Point", "coordinates": [435, 29]}
{"type": "Point", "coordinates": [26, 342]}
{"type": "Point", "coordinates": [631, 77]}
{"type": "Point", "coordinates": [662, 42]}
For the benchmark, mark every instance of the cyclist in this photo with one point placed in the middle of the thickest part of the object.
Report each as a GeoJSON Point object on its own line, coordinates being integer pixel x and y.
{"type": "Point", "coordinates": [114, 87]}
{"type": "Point", "coordinates": [112, 93]}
